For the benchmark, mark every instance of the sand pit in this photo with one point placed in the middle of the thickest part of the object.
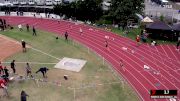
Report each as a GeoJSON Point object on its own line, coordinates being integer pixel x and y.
{"type": "Point", "coordinates": [71, 64]}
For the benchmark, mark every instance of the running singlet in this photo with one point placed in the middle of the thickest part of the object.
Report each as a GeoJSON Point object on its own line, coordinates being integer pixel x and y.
{"type": "Point", "coordinates": [2, 81]}
{"type": "Point", "coordinates": [137, 39]}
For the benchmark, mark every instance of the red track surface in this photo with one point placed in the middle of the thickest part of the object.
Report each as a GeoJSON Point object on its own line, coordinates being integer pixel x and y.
{"type": "Point", "coordinates": [163, 59]}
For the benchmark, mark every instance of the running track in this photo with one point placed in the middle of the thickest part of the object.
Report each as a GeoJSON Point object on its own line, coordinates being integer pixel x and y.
{"type": "Point", "coordinates": [163, 60]}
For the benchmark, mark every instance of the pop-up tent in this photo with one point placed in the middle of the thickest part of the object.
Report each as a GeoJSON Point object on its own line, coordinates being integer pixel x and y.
{"type": "Point", "coordinates": [2, 4]}
{"type": "Point", "coordinates": [176, 27]}
{"type": "Point", "coordinates": [147, 20]}
{"type": "Point", "coordinates": [158, 26]}
{"type": "Point", "coordinates": [160, 30]}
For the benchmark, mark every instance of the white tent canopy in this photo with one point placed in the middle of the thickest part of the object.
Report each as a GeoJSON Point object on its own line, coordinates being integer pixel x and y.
{"type": "Point", "coordinates": [147, 19]}
{"type": "Point", "coordinates": [2, 4]}
{"type": "Point", "coordinates": [6, 4]}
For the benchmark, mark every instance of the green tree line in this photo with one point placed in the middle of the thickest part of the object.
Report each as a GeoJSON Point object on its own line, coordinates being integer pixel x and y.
{"type": "Point", "coordinates": [119, 10]}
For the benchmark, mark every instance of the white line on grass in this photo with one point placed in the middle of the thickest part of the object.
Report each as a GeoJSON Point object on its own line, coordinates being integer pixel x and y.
{"type": "Point", "coordinates": [45, 53]}
{"type": "Point", "coordinates": [74, 94]}
{"type": "Point", "coordinates": [30, 62]}
{"type": "Point", "coordinates": [93, 85]}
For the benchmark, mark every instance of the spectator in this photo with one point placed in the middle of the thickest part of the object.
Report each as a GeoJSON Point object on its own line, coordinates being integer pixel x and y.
{"type": "Point", "coordinates": [125, 33]}
{"type": "Point", "coordinates": [1, 69]}
{"type": "Point", "coordinates": [13, 66]}
{"type": "Point", "coordinates": [145, 37]}
{"type": "Point", "coordinates": [3, 86]}
{"type": "Point", "coordinates": [138, 40]}
{"type": "Point", "coordinates": [43, 70]}
{"type": "Point", "coordinates": [17, 13]}
{"type": "Point", "coordinates": [24, 96]}
{"type": "Point", "coordinates": [141, 37]}
{"type": "Point", "coordinates": [6, 73]}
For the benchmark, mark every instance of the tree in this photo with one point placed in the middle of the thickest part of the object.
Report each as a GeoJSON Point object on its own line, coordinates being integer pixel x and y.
{"type": "Point", "coordinates": [122, 10]}
{"type": "Point", "coordinates": [161, 18]}
{"type": "Point", "coordinates": [82, 10]}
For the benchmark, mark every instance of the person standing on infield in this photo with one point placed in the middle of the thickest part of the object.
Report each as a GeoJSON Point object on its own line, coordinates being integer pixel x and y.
{"type": "Point", "coordinates": [27, 27]}
{"type": "Point", "coordinates": [24, 96]}
{"type": "Point", "coordinates": [1, 69]}
{"type": "Point", "coordinates": [66, 36]}
{"type": "Point", "coordinates": [6, 73]}
{"type": "Point", "coordinates": [13, 66]}
{"type": "Point", "coordinates": [23, 45]}
{"type": "Point", "coordinates": [28, 70]}
{"type": "Point", "coordinates": [3, 86]}
{"type": "Point", "coordinates": [20, 27]}
{"type": "Point", "coordinates": [34, 31]}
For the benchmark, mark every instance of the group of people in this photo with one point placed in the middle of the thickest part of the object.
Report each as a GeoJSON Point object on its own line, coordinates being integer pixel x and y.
{"type": "Point", "coordinates": [142, 37]}
{"type": "Point", "coordinates": [20, 13]}
{"type": "Point", "coordinates": [66, 34]}
{"type": "Point", "coordinates": [7, 12]}
{"type": "Point", "coordinates": [4, 76]}
{"type": "Point", "coordinates": [23, 43]}
{"type": "Point", "coordinates": [4, 70]}
{"type": "Point", "coordinates": [27, 27]}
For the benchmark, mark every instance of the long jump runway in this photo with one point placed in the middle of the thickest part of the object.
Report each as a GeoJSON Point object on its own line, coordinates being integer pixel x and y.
{"type": "Point", "coordinates": [163, 61]}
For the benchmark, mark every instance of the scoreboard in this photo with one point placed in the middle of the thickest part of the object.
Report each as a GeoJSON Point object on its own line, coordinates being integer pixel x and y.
{"type": "Point", "coordinates": [163, 94]}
